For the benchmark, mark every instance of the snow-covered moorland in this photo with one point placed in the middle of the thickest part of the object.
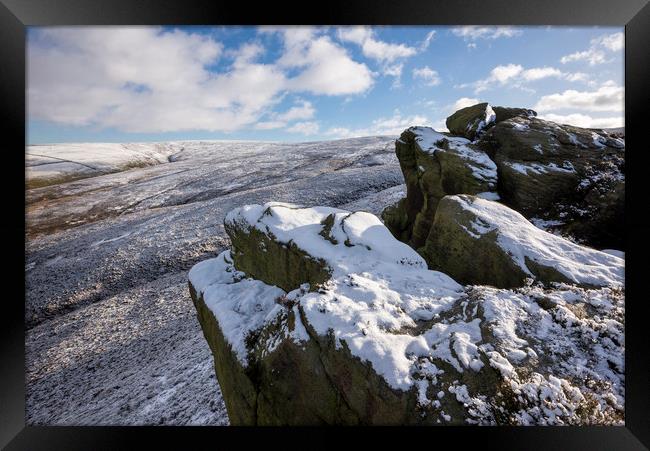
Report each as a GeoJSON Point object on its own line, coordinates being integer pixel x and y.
{"type": "Point", "coordinates": [112, 334]}
{"type": "Point", "coordinates": [113, 337]}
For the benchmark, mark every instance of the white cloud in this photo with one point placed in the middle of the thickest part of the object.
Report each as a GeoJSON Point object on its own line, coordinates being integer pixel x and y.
{"type": "Point", "coordinates": [516, 76]}
{"type": "Point", "coordinates": [609, 97]}
{"type": "Point", "coordinates": [538, 73]}
{"type": "Point", "coordinates": [504, 73]}
{"type": "Point", "coordinates": [395, 71]}
{"type": "Point", "coordinates": [613, 42]}
{"type": "Point", "coordinates": [394, 125]}
{"type": "Point", "coordinates": [304, 110]}
{"type": "Point", "coordinates": [473, 32]}
{"type": "Point", "coordinates": [385, 54]}
{"type": "Point", "coordinates": [586, 121]}
{"type": "Point", "coordinates": [372, 47]}
{"type": "Point", "coordinates": [328, 69]}
{"type": "Point", "coordinates": [146, 79]}
{"type": "Point", "coordinates": [306, 128]}
{"type": "Point", "coordinates": [595, 54]}
{"type": "Point", "coordinates": [428, 75]}
{"type": "Point", "coordinates": [577, 76]}
{"type": "Point", "coordinates": [463, 102]}
{"type": "Point", "coordinates": [270, 125]}
{"type": "Point", "coordinates": [427, 40]}
{"type": "Point", "coordinates": [81, 76]}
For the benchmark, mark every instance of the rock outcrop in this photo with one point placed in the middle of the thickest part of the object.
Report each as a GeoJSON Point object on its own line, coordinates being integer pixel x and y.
{"type": "Point", "coordinates": [567, 179]}
{"type": "Point", "coordinates": [558, 172]}
{"type": "Point", "coordinates": [481, 242]}
{"type": "Point", "coordinates": [343, 324]}
{"type": "Point", "coordinates": [434, 165]}
{"type": "Point", "coordinates": [471, 121]}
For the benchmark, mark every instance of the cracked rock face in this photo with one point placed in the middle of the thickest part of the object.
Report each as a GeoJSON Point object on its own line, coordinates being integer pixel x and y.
{"type": "Point", "coordinates": [383, 340]}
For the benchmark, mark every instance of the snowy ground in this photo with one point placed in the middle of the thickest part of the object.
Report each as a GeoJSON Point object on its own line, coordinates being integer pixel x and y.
{"type": "Point", "coordinates": [112, 334]}
{"type": "Point", "coordinates": [58, 163]}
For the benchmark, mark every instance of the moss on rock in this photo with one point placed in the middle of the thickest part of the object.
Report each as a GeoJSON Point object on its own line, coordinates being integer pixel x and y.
{"type": "Point", "coordinates": [284, 265]}
{"type": "Point", "coordinates": [430, 174]}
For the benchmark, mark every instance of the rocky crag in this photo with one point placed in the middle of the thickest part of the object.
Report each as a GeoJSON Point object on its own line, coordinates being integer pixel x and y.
{"type": "Point", "coordinates": [458, 308]}
{"type": "Point", "coordinates": [320, 316]}
{"type": "Point", "coordinates": [567, 179]}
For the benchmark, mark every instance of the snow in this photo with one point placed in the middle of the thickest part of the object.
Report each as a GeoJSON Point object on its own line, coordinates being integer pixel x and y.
{"type": "Point", "coordinates": [615, 253]}
{"type": "Point", "coordinates": [375, 203]}
{"type": "Point", "coordinates": [490, 117]}
{"type": "Point", "coordinates": [522, 240]}
{"type": "Point", "coordinates": [240, 306]}
{"type": "Point", "coordinates": [119, 313]}
{"type": "Point", "coordinates": [366, 234]}
{"type": "Point", "coordinates": [112, 337]}
{"type": "Point", "coordinates": [546, 224]}
{"type": "Point", "coordinates": [379, 287]}
{"type": "Point", "coordinates": [489, 195]}
{"type": "Point", "coordinates": [538, 168]}
{"type": "Point", "coordinates": [520, 324]}
{"type": "Point", "coordinates": [76, 160]}
{"type": "Point", "coordinates": [480, 163]}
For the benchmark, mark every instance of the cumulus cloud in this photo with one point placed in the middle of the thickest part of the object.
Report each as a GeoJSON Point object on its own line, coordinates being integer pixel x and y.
{"type": "Point", "coordinates": [428, 75]}
{"type": "Point", "coordinates": [613, 42]}
{"type": "Point", "coordinates": [473, 32]}
{"type": "Point", "coordinates": [305, 128]}
{"type": "Point", "coordinates": [393, 125]}
{"type": "Point", "coordinates": [515, 75]}
{"type": "Point", "coordinates": [374, 48]}
{"type": "Point", "coordinates": [463, 102]}
{"type": "Point", "coordinates": [387, 55]}
{"type": "Point", "coordinates": [147, 79]}
{"type": "Point", "coordinates": [584, 120]}
{"type": "Point", "coordinates": [301, 111]}
{"type": "Point", "coordinates": [595, 54]}
{"type": "Point", "coordinates": [304, 110]}
{"type": "Point", "coordinates": [328, 68]}
{"type": "Point", "coordinates": [609, 97]}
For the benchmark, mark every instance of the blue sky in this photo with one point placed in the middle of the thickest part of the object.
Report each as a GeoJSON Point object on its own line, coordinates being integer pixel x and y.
{"type": "Point", "coordinates": [129, 84]}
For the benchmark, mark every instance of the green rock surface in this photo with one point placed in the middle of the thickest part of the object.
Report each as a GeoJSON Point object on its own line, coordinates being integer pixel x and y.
{"type": "Point", "coordinates": [569, 179]}
{"type": "Point", "coordinates": [262, 257]}
{"type": "Point", "coordinates": [468, 247]}
{"type": "Point", "coordinates": [480, 360]}
{"type": "Point", "coordinates": [562, 173]}
{"type": "Point", "coordinates": [431, 174]}
{"type": "Point", "coordinates": [469, 121]}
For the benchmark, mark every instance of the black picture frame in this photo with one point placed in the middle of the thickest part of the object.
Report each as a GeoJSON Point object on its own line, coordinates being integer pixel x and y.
{"type": "Point", "coordinates": [16, 15]}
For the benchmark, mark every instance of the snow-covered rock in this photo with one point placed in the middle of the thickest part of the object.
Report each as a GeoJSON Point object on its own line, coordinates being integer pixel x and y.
{"type": "Point", "coordinates": [559, 172]}
{"type": "Point", "coordinates": [470, 122]}
{"type": "Point", "coordinates": [571, 179]}
{"type": "Point", "coordinates": [434, 165]}
{"type": "Point", "coordinates": [478, 241]}
{"type": "Point", "coordinates": [343, 324]}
